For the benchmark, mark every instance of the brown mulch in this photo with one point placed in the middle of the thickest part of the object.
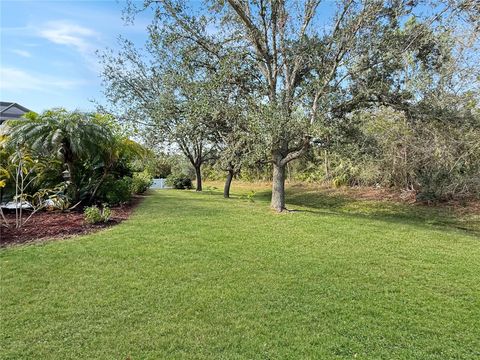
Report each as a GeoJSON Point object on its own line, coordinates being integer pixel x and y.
{"type": "Point", "coordinates": [54, 225]}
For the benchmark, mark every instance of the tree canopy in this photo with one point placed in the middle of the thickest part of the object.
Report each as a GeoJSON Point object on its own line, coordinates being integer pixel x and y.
{"type": "Point", "coordinates": [302, 70]}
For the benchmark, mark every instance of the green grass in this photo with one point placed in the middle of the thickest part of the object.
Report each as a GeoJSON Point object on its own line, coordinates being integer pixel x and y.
{"type": "Point", "coordinates": [194, 276]}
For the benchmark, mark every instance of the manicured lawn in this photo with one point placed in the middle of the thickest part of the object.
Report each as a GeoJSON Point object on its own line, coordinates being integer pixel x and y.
{"type": "Point", "coordinates": [194, 276]}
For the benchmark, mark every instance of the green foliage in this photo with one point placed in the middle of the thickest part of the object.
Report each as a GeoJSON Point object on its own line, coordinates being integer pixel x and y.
{"type": "Point", "coordinates": [433, 152]}
{"type": "Point", "coordinates": [438, 158]}
{"type": "Point", "coordinates": [160, 166]}
{"type": "Point", "coordinates": [58, 201]}
{"type": "Point", "coordinates": [182, 97]}
{"type": "Point", "coordinates": [213, 172]}
{"type": "Point", "coordinates": [72, 136]}
{"type": "Point", "coordinates": [182, 174]}
{"type": "Point", "coordinates": [340, 180]}
{"type": "Point", "coordinates": [141, 181]}
{"type": "Point", "coordinates": [38, 172]}
{"type": "Point", "coordinates": [180, 182]}
{"type": "Point", "coordinates": [93, 215]}
{"type": "Point", "coordinates": [91, 147]}
{"type": "Point", "coordinates": [116, 191]}
{"type": "Point", "coordinates": [290, 76]}
{"type": "Point", "coordinates": [250, 196]}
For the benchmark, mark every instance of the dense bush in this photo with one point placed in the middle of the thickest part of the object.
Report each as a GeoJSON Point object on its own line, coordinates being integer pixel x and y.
{"type": "Point", "coordinates": [141, 181]}
{"type": "Point", "coordinates": [437, 159]}
{"type": "Point", "coordinates": [116, 191]}
{"type": "Point", "coordinates": [180, 182]}
{"type": "Point", "coordinates": [93, 215]}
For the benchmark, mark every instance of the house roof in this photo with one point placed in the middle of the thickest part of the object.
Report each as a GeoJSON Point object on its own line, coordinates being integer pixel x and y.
{"type": "Point", "coordinates": [11, 110]}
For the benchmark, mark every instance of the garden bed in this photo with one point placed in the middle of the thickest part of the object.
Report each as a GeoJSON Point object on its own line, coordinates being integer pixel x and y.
{"type": "Point", "coordinates": [47, 225]}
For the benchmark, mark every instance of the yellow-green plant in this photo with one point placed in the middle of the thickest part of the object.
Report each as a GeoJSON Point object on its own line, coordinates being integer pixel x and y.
{"type": "Point", "coordinates": [94, 215]}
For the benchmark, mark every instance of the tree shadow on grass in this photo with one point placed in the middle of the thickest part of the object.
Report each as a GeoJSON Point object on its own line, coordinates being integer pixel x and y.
{"type": "Point", "coordinates": [324, 202]}
{"type": "Point", "coordinates": [331, 202]}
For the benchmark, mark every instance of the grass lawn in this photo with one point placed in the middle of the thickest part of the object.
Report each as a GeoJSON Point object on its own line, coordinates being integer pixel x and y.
{"type": "Point", "coordinates": [194, 276]}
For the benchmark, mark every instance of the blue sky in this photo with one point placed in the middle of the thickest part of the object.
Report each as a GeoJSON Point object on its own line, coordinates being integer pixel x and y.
{"type": "Point", "coordinates": [47, 50]}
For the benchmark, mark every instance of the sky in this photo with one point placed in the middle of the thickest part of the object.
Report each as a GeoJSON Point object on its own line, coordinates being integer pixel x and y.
{"type": "Point", "coordinates": [47, 50]}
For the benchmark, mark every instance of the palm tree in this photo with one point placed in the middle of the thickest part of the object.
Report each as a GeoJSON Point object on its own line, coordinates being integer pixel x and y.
{"type": "Point", "coordinates": [117, 147]}
{"type": "Point", "coordinates": [73, 136]}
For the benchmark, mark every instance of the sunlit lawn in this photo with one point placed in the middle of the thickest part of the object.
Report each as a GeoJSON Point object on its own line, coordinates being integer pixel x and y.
{"type": "Point", "coordinates": [195, 276]}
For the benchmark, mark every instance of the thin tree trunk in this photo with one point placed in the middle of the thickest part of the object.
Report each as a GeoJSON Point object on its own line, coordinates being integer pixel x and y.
{"type": "Point", "coordinates": [327, 165]}
{"type": "Point", "coordinates": [228, 182]}
{"type": "Point", "coordinates": [17, 176]}
{"type": "Point", "coordinates": [4, 219]}
{"type": "Point", "coordinates": [100, 182]}
{"type": "Point", "coordinates": [278, 187]}
{"type": "Point", "coordinates": [21, 196]}
{"type": "Point", "coordinates": [198, 175]}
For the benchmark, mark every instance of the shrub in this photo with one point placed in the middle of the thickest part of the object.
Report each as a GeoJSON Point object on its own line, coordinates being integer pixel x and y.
{"type": "Point", "coordinates": [183, 183]}
{"type": "Point", "coordinates": [57, 201]}
{"type": "Point", "coordinates": [93, 215]}
{"type": "Point", "coordinates": [141, 181]}
{"type": "Point", "coordinates": [116, 191]}
{"type": "Point", "coordinates": [340, 181]}
{"type": "Point", "coordinates": [180, 182]}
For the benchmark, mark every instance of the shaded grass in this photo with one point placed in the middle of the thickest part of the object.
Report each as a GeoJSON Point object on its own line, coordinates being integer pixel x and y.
{"type": "Point", "coordinates": [194, 276]}
{"type": "Point", "coordinates": [347, 202]}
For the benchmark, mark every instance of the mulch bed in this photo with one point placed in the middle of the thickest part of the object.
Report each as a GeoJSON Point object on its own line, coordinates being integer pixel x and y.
{"type": "Point", "coordinates": [50, 225]}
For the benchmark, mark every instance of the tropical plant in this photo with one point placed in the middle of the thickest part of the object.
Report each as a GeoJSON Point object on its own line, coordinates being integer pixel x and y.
{"type": "Point", "coordinates": [116, 157]}
{"type": "Point", "coordinates": [72, 136]}
{"type": "Point", "coordinates": [23, 171]}
{"type": "Point", "coordinates": [3, 175]}
{"type": "Point", "coordinates": [94, 215]}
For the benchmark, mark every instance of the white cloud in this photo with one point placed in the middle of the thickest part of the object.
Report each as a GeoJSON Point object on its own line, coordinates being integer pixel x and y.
{"type": "Point", "coordinates": [14, 79]}
{"type": "Point", "coordinates": [66, 33]}
{"type": "Point", "coordinates": [22, 53]}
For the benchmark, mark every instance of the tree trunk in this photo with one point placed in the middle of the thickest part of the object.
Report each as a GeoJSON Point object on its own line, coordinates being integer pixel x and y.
{"type": "Point", "coordinates": [73, 181]}
{"type": "Point", "coordinates": [198, 175]}
{"type": "Point", "coordinates": [327, 165]}
{"type": "Point", "coordinates": [280, 161]}
{"type": "Point", "coordinates": [68, 159]}
{"type": "Point", "coordinates": [278, 187]}
{"type": "Point", "coordinates": [228, 182]}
